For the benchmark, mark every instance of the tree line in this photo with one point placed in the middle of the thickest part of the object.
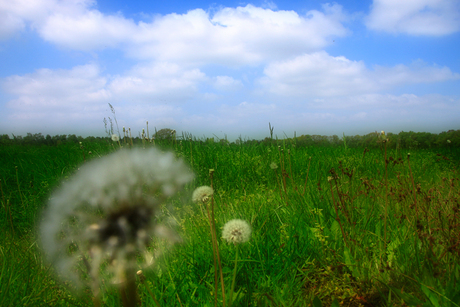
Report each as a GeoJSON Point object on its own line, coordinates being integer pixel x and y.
{"type": "Point", "coordinates": [403, 139]}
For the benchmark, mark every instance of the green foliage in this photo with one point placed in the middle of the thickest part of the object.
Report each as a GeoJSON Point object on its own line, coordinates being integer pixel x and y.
{"type": "Point", "coordinates": [332, 224]}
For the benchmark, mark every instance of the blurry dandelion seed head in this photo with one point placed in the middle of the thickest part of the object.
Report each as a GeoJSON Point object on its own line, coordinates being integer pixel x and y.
{"type": "Point", "coordinates": [236, 231]}
{"type": "Point", "coordinates": [115, 138]}
{"type": "Point", "coordinates": [105, 216]}
{"type": "Point", "coordinates": [202, 194]}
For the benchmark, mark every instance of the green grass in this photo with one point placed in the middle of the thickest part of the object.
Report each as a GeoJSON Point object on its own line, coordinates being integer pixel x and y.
{"type": "Point", "coordinates": [330, 226]}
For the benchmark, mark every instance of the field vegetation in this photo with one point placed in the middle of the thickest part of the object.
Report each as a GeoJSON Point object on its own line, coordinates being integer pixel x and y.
{"type": "Point", "coordinates": [350, 221]}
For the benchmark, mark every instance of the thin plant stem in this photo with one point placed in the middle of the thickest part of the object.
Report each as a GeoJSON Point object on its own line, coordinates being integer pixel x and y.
{"type": "Point", "coordinates": [337, 216]}
{"type": "Point", "coordinates": [19, 187]}
{"type": "Point", "coordinates": [306, 179]}
{"type": "Point", "coordinates": [278, 183]}
{"type": "Point", "coordinates": [344, 207]}
{"type": "Point", "coordinates": [213, 253]}
{"type": "Point", "coordinates": [148, 135]}
{"type": "Point", "coordinates": [290, 170]}
{"type": "Point", "coordinates": [413, 186]}
{"type": "Point", "coordinates": [142, 279]}
{"type": "Point", "coordinates": [191, 153]}
{"type": "Point", "coordinates": [7, 208]}
{"type": "Point", "coordinates": [386, 197]}
{"type": "Point", "coordinates": [128, 290]}
{"type": "Point", "coordinates": [230, 297]}
{"type": "Point", "coordinates": [211, 173]}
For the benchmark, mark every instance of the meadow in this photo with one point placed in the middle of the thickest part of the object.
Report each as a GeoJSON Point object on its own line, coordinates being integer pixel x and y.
{"type": "Point", "coordinates": [331, 226]}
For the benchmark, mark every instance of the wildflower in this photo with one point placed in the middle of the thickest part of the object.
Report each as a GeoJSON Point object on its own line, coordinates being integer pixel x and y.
{"type": "Point", "coordinates": [115, 138]}
{"type": "Point", "coordinates": [202, 194]}
{"type": "Point", "coordinates": [104, 217]}
{"type": "Point", "coordinates": [448, 141]}
{"type": "Point", "coordinates": [273, 165]}
{"type": "Point", "coordinates": [236, 231]}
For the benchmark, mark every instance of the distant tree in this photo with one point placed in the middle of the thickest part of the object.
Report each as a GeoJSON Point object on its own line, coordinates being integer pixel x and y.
{"type": "Point", "coordinates": [48, 140]}
{"type": "Point", "coordinates": [165, 134]}
{"type": "Point", "coordinates": [335, 141]}
{"type": "Point", "coordinates": [72, 138]}
{"type": "Point", "coordinates": [5, 139]}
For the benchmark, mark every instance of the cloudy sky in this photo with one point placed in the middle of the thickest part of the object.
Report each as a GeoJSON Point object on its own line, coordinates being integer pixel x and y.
{"type": "Point", "coordinates": [229, 68]}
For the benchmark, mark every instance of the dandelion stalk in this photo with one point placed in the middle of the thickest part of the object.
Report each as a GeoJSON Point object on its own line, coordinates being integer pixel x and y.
{"type": "Point", "coordinates": [203, 195]}
{"type": "Point", "coordinates": [230, 297]}
{"type": "Point", "coordinates": [236, 232]}
{"type": "Point", "coordinates": [128, 289]}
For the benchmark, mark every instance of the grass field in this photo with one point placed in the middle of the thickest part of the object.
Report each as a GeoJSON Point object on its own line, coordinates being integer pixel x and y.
{"type": "Point", "coordinates": [330, 227]}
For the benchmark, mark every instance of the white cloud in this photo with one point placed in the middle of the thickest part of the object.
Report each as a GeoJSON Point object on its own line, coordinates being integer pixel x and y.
{"type": "Point", "coordinates": [157, 81]}
{"type": "Point", "coordinates": [302, 88]}
{"type": "Point", "coordinates": [231, 36]}
{"type": "Point", "coordinates": [237, 36]}
{"type": "Point", "coordinates": [16, 15]}
{"type": "Point", "coordinates": [61, 90]}
{"type": "Point", "coordinates": [415, 17]}
{"type": "Point", "coordinates": [88, 30]}
{"type": "Point", "coordinates": [321, 75]}
{"type": "Point", "coordinates": [68, 98]}
{"type": "Point", "coordinates": [226, 83]}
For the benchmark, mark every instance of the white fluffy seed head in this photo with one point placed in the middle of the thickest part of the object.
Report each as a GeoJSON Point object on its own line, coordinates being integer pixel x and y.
{"type": "Point", "coordinates": [236, 231]}
{"type": "Point", "coordinates": [108, 208]}
{"type": "Point", "coordinates": [202, 194]}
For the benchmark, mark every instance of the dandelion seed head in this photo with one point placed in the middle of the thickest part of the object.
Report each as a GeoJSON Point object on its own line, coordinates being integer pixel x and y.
{"type": "Point", "coordinates": [202, 194]}
{"type": "Point", "coordinates": [106, 213]}
{"type": "Point", "coordinates": [273, 165]}
{"type": "Point", "coordinates": [236, 231]}
{"type": "Point", "coordinates": [115, 138]}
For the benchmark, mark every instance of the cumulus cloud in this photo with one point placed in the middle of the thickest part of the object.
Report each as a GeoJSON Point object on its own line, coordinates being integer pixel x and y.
{"type": "Point", "coordinates": [320, 74]}
{"type": "Point", "coordinates": [58, 90]}
{"type": "Point", "coordinates": [198, 69]}
{"type": "Point", "coordinates": [87, 31]}
{"type": "Point", "coordinates": [157, 81]}
{"type": "Point", "coordinates": [67, 98]}
{"type": "Point", "coordinates": [227, 83]}
{"type": "Point", "coordinates": [16, 15]}
{"type": "Point", "coordinates": [415, 17]}
{"type": "Point", "coordinates": [231, 36]}
{"type": "Point", "coordinates": [85, 85]}
{"type": "Point", "coordinates": [237, 36]}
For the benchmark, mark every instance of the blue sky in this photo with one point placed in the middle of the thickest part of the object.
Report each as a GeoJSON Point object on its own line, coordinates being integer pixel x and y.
{"type": "Point", "coordinates": [229, 68]}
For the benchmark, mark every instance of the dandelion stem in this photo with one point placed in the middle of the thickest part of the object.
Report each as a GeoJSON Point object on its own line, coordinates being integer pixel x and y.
{"type": "Point", "coordinates": [230, 298]}
{"type": "Point", "coordinates": [128, 290]}
{"type": "Point", "coordinates": [215, 245]}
